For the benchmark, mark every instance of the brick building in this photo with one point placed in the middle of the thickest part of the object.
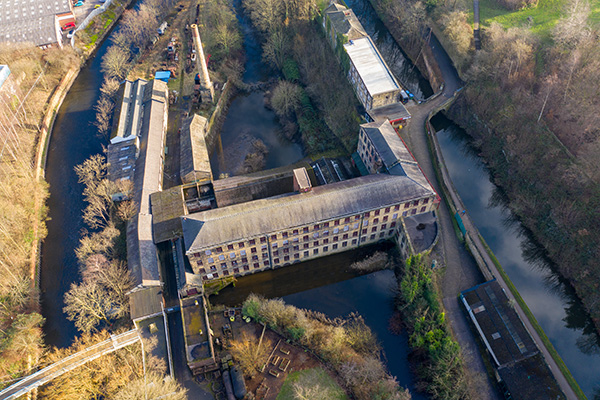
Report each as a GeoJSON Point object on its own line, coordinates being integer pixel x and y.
{"type": "Point", "coordinates": [314, 222]}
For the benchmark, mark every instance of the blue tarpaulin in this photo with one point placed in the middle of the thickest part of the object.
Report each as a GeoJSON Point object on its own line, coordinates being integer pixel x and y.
{"type": "Point", "coordinates": [163, 75]}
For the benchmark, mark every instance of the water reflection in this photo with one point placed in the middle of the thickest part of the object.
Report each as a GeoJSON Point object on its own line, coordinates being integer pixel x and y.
{"type": "Point", "coordinates": [550, 298]}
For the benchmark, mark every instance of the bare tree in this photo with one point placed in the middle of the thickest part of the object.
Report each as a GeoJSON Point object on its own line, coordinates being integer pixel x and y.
{"type": "Point", "coordinates": [153, 386]}
{"type": "Point", "coordinates": [286, 98]}
{"type": "Point", "coordinates": [115, 62]}
{"type": "Point", "coordinates": [104, 109]}
{"type": "Point", "coordinates": [572, 29]}
{"type": "Point", "coordinates": [249, 355]}
{"type": "Point", "coordinates": [276, 49]}
{"type": "Point", "coordinates": [88, 304]}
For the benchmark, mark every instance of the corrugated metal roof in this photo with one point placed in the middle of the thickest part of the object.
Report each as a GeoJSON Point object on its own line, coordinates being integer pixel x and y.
{"type": "Point", "coordinates": [392, 150]}
{"type": "Point", "coordinates": [371, 66]}
{"type": "Point", "coordinates": [336, 200]}
{"type": "Point", "coordinates": [4, 74]}
{"type": "Point", "coordinates": [31, 21]}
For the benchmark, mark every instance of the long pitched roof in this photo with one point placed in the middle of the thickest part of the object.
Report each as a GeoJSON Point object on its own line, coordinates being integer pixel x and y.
{"type": "Point", "coordinates": [336, 200]}
{"type": "Point", "coordinates": [370, 66]}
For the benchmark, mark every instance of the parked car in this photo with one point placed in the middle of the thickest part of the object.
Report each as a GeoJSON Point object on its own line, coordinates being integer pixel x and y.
{"type": "Point", "coordinates": [97, 6]}
{"type": "Point", "coordinates": [78, 4]}
{"type": "Point", "coordinates": [70, 34]}
{"type": "Point", "coordinates": [68, 26]}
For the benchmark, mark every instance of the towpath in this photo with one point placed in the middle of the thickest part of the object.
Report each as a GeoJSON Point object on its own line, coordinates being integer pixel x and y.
{"type": "Point", "coordinates": [461, 270]}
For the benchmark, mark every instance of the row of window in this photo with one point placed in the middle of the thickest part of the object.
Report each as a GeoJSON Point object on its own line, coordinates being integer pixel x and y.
{"type": "Point", "coordinates": [211, 272]}
{"type": "Point", "coordinates": [318, 230]}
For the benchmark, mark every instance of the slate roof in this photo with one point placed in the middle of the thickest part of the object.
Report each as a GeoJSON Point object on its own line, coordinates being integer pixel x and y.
{"type": "Point", "coordinates": [336, 200]}
{"type": "Point", "coordinates": [145, 303]}
{"type": "Point", "coordinates": [141, 252]}
{"type": "Point", "coordinates": [370, 66]}
{"type": "Point", "coordinates": [396, 157]}
{"type": "Point", "coordinates": [147, 178]}
{"type": "Point", "coordinates": [344, 21]}
{"type": "Point", "coordinates": [507, 338]}
{"type": "Point", "coordinates": [194, 159]}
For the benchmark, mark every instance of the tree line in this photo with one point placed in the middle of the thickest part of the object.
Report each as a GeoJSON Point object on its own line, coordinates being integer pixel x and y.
{"type": "Point", "coordinates": [531, 106]}
{"type": "Point", "coordinates": [35, 74]}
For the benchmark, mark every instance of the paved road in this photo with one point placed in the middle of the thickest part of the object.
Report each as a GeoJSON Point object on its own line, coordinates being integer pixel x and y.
{"type": "Point", "coordinates": [461, 269]}
{"type": "Point", "coordinates": [55, 370]}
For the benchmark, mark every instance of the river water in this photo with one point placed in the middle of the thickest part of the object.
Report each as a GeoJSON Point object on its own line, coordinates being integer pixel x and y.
{"type": "Point", "coordinates": [74, 139]}
{"type": "Point", "coordinates": [248, 119]}
{"type": "Point", "coordinates": [553, 303]}
{"type": "Point", "coordinates": [329, 286]}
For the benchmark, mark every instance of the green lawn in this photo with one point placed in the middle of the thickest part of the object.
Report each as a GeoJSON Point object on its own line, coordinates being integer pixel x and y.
{"type": "Point", "coordinates": [544, 15]}
{"type": "Point", "coordinates": [310, 378]}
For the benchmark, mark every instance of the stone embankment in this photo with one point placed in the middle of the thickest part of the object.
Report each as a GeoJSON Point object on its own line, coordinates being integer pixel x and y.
{"type": "Point", "coordinates": [461, 273]}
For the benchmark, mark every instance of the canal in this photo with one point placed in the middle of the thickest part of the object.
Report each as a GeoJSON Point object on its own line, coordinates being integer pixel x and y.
{"type": "Point", "coordinates": [553, 302]}
{"type": "Point", "coordinates": [74, 139]}
{"type": "Point", "coordinates": [329, 286]}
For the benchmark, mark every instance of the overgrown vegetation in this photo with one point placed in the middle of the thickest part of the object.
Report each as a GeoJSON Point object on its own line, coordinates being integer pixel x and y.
{"type": "Point", "coordinates": [317, 102]}
{"type": "Point", "coordinates": [35, 74]}
{"type": "Point", "coordinates": [436, 356]}
{"type": "Point", "coordinates": [348, 345]}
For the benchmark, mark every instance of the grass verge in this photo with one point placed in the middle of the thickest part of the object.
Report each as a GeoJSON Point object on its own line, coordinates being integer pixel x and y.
{"type": "Point", "coordinates": [561, 364]}
{"type": "Point", "coordinates": [543, 17]}
{"type": "Point", "coordinates": [316, 377]}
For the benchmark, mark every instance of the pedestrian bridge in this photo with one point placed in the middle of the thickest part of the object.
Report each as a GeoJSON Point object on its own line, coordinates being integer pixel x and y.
{"type": "Point", "coordinates": [67, 364]}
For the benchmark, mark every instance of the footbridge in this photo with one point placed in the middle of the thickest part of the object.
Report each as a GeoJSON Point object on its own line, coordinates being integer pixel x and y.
{"type": "Point", "coordinates": [69, 363]}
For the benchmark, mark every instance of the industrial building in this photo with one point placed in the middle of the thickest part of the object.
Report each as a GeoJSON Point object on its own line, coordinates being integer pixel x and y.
{"type": "Point", "coordinates": [520, 368]}
{"type": "Point", "coordinates": [34, 22]}
{"type": "Point", "coordinates": [136, 155]}
{"type": "Point", "coordinates": [311, 222]}
{"type": "Point", "coordinates": [373, 82]}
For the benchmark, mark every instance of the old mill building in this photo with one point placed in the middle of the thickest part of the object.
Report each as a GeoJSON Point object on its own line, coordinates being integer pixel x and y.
{"type": "Point", "coordinates": [313, 221]}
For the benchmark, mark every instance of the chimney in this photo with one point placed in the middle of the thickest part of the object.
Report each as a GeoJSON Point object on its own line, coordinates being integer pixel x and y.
{"type": "Point", "coordinates": [207, 92]}
{"type": "Point", "coordinates": [301, 181]}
